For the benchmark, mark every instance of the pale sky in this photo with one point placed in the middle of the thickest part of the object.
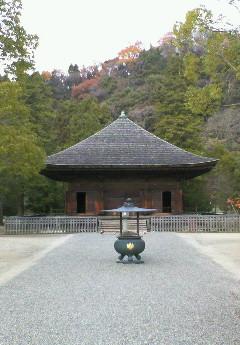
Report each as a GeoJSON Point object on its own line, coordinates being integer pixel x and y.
{"type": "Point", "coordinates": [91, 31]}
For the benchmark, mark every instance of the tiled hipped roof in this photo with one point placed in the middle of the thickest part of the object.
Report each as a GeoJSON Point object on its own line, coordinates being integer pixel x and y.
{"type": "Point", "coordinates": [124, 144]}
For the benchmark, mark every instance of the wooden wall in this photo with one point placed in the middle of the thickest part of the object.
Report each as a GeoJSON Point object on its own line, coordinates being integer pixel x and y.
{"type": "Point", "coordinates": [110, 192]}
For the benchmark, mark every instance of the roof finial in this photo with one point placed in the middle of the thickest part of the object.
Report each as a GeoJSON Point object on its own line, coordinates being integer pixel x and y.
{"type": "Point", "coordinates": [123, 115]}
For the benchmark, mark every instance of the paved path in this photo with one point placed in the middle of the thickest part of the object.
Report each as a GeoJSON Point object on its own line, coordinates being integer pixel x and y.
{"type": "Point", "coordinates": [78, 295]}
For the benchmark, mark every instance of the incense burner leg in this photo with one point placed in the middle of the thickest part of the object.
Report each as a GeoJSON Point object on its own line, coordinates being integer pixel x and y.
{"type": "Point", "coordinates": [130, 258]}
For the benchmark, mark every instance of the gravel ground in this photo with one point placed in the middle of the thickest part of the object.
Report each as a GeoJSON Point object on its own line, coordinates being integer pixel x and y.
{"type": "Point", "coordinates": [223, 248]}
{"type": "Point", "coordinates": [78, 295]}
{"type": "Point", "coordinates": [18, 253]}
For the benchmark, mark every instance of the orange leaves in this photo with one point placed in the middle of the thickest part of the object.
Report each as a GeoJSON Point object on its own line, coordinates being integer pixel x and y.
{"type": "Point", "coordinates": [89, 79]}
{"type": "Point", "coordinates": [234, 202]}
{"type": "Point", "coordinates": [81, 90]}
{"type": "Point", "coordinates": [90, 76]}
{"type": "Point", "coordinates": [130, 53]}
{"type": "Point", "coordinates": [46, 75]}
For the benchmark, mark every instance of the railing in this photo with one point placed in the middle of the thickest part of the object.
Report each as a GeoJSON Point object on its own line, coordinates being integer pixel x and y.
{"type": "Point", "coordinates": [68, 224]}
{"type": "Point", "coordinates": [112, 224]}
{"type": "Point", "coordinates": [50, 225]}
{"type": "Point", "coordinates": [196, 223]}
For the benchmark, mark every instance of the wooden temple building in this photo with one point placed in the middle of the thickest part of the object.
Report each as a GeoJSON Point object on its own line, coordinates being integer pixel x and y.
{"type": "Point", "coordinates": [124, 160]}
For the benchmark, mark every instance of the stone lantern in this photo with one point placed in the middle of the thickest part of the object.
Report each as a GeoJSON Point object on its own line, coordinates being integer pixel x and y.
{"type": "Point", "coordinates": [129, 243]}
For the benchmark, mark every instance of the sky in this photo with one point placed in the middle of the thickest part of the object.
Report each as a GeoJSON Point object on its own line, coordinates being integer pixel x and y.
{"type": "Point", "coordinates": [86, 32]}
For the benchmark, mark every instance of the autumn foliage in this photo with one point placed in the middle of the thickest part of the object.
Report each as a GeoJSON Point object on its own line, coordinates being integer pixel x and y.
{"type": "Point", "coordinates": [234, 203]}
{"type": "Point", "coordinates": [46, 75]}
{"type": "Point", "coordinates": [83, 89]}
{"type": "Point", "coordinates": [130, 53]}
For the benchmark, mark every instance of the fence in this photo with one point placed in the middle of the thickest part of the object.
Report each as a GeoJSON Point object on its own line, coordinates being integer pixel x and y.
{"type": "Point", "coordinates": [196, 223]}
{"type": "Point", "coordinates": [64, 224]}
{"type": "Point", "coordinates": [50, 225]}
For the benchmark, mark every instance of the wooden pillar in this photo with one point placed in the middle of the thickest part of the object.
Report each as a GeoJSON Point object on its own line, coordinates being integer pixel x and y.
{"type": "Point", "coordinates": [177, 202]}
{"type": "Point", "coordinates": [156, 200]}
{"type": "Point", "coordinates": [147, 198]}
{"type": "Point", "coordinates": [99, 204]}
{"type": "Point", "coordinates": [70, 203]}
{"type": "Point", "coordinates": [67, 202]}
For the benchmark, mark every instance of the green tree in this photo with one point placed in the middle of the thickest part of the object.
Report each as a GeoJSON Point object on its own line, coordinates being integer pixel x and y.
{"type": "Point", "coordinates": [44, 196]}
{"type": "Point", "coordinates": [38, 96]}
{"type": "Point", "coordinates": [181, 130]}
{"type": "Point", "coordinates": [204, 101]}
{"type": "Point", "coordinates": [211, 57]}
{"type": "Point", "coordinates": [21, 156]}
{"type": "Point", "coordinates": [76, 120]}
{"type": "Point", "coordinates": [196, 197]}
{"type": "Point", "coordinates": [16, 46]}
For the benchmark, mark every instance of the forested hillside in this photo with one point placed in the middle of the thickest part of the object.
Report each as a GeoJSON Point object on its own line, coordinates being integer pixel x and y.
{"type": "Point", "coordinates": [185, 90]}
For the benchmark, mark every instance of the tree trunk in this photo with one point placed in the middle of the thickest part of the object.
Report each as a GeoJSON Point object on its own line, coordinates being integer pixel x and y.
{"type": "Point", "coordinates": [20, 206]}
{"type": "Point", "coordinates": [1, 212]}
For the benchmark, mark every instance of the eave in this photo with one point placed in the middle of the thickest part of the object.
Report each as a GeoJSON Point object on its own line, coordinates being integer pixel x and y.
{"type": "Point", "coordinates": [184, 171]}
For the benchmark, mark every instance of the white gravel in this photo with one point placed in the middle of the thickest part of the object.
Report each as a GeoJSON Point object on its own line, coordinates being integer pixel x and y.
{"type": "Point", "coordinates": [223, 248]}
{"type": "Point", "coordinates": [18, 253]}
{"type": "Point", "coordinates": [78, 295]}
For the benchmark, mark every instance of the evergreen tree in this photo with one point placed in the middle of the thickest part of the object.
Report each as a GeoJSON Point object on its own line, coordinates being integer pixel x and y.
{"type": "Point", "coordinates": [21, 156]}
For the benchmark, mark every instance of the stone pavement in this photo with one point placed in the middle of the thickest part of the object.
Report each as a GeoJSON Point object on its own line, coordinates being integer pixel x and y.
{"type": "Point", "coordinates": [78, 295]}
